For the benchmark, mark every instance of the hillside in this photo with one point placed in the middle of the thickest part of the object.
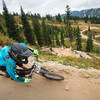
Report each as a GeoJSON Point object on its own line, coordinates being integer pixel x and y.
{"type": "Point", "coordinates": [94, 12]}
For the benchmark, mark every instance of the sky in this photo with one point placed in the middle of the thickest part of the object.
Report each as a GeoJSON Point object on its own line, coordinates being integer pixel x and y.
{"type": "Point", "coordinates": [52, 7]}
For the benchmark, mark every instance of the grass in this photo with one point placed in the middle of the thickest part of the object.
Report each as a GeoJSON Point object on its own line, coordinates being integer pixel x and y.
{"type": "Point", "coordinates": [72, 61]}
{"type": "Point", "coordinates": [95, 25]}
{"type": "Point", "coordinates": [97, 39]}
{"type": "Point", "coordinates": [82, 63]}
{"type": "Point", "coordinates": [96, 50]}
{"type": "Point", "coordinates": [5, 40]}
{"type": "Point", "coordinates": [94, 32]}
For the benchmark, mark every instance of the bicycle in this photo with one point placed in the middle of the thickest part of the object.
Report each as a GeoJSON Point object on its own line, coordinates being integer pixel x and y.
{"type": "Point", "coordinates": [45, 73]}
{"type": "Point", "coordinates": [39, 70]}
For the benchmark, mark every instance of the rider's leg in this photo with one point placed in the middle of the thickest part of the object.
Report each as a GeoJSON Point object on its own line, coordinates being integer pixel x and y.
{"type": "Point", "coordinates": [22, 72]}
{"type": "Point", "coordinates": [3, 69]}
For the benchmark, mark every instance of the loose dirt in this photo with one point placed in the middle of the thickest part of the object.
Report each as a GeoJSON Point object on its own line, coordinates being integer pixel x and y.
{"type": "Point", "coordinates": [79, 84]}
{"type": "Point", "coordinates": [66, 52]}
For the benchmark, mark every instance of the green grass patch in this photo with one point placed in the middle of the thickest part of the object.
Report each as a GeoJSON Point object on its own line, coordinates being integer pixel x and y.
{"type": "Point", "coordinates": [5, 40]}
{"type": "Point", "coordinates": [97, 39]}
{"type": "Point", "coordinates": [93, 31]}
{"type": "Point", "coordinates": [95, 25]}
{"type": "Point", "coordinates": [72, 61]}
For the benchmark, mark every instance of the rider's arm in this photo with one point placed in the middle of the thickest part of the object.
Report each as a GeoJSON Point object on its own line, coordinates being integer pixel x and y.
{"type": "Point", "coordinates": [14, 76]}
{"type": "Point", "coordinates": [35, 51]}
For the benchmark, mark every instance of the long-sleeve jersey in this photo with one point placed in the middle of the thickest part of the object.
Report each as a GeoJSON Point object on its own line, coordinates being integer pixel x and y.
{"type": "Point", "coordinates": [9, 63]}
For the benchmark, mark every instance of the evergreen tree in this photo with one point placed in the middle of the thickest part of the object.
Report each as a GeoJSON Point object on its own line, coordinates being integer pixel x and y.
{"type": "Point", "coordinates": [57, 40]}
{"type": "Point", "coordinates": [86, 19]}
{"type": "Point", "coordinates": [62, 37]}
{"type": "Point", "coordinates": [27, 29]}
{"type": "Point", "coordinates": [38, 16]}
{"type": "Point", "coordinates": [64, 20]}
{"type": "Point", "coordinates": [70, 33]}
{"type": "Point", "coordinates": [6, 16]}
{"type": "Point", "coordinates": [49, 17]}
{"type": "Point", "coordinates": [58, 18]}
{"type": "Point", "coordinates": [49, 32]}
{"type": "Point", "coordinates": [89, 46]}
{"type": "Point", "coordinates": [10, 24]}
{"type": "Point", "coordinates": [14, 29]}
{"type": "Point", "coordinates": [95, 20]}
{"type": "Point", "coordinates": [45, 33]}
{"type": "Point", "coordinates": [52, 35]}
{"type": "Point", "coordinates": [68, 24]}
{"type": "Point", "coordinates": [1, 29]}
{"type": "Point", "coordinates": [68, 14]}
{"type": "Point", "coordinates": [89, 28]}
{"type": "Point", "coordinates": [78, 39]}
{"type": "Point", "coordinates": [37, 31]}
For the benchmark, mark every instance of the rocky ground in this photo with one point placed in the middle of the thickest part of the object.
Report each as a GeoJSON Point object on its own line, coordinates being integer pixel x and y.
{"type": "Point", "coordinates": [66, 52]}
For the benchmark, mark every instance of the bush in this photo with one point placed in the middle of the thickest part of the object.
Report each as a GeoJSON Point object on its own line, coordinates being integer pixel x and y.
{"type": "Point", "coordinates": [5, 40]}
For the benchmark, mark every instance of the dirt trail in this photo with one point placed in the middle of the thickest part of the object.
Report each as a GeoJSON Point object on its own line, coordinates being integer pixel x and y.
{"type": "Point", "coordinates": [79, 84]}
{"type": "Point", "coordinates": [60, 52]}
{"type": "Point", "coordinates": [97, 36]}
{"type": "Point", "coordinates": [85, 37]}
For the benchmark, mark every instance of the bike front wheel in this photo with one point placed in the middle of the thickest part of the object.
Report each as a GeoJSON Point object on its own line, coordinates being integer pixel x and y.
{"type": "Point", "coordinates": [50, 75]}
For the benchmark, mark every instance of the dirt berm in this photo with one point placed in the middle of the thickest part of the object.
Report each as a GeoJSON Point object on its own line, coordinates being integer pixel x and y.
{"type": "Point", "coordinates": [79, 84]}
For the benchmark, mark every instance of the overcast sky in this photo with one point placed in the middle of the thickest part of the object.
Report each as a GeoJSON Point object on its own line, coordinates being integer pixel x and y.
{"type": "Point", "coordinates": [49, 6]}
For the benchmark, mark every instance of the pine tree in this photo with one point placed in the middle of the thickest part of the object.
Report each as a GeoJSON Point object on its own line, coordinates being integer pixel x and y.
{"type": "Point", "coordinates": [49, 32]}
{"type": "Point", "coordinates": [52, 35]}
{"type": "Point", "coordinates": [78, 39]}
{"type": "Point", "coordinates": [89, 46]}
{"type": "Point", "coordinates": [86, 19]}
{"type": "Point", "coordinates": [44, 32]}
{"type": "Point", "coordinates": [58, 18]}
{"type": "Point", "coordinates": [37, 31]}
{"type": "Point", "coordinates": [70, 33]}
{"type": "Point", "coordinates": [62, 37]}
{"type": "Point", "coordinates": [6, 16]}
{"type": "Point", "coordinates": [49, 17]}
{"type": "Point", "coordinates": [10, 24]}
{"type": "Point", "coordinates": [14, 29]}
{"type": "Point", "coordinates": [27, 28]}
{"type": "Point", "coordinates": [89, 28]}
{"type": "Point", "coordinates": [57, 40]}
{"type": "Point", "coordinates": [68, 25]}
{"type": "Point", "coordinates": [1, 29]}
{"type": "Point", "coordinates": [68, 14]}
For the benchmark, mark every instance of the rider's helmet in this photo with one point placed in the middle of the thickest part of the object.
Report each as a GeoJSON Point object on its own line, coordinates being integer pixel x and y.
{"type": "Point", "coordinates": [20, 53]}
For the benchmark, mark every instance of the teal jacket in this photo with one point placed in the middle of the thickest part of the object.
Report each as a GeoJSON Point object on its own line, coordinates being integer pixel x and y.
{"type": "Point", "coordinates": [9, 63]}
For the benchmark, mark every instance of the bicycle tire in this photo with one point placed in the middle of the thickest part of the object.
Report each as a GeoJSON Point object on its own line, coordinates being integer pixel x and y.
{"type": "Point", "coordinates": [51, 75]}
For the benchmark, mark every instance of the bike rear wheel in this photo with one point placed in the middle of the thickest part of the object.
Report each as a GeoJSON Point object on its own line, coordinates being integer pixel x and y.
{"type": "Point", "coordinates": [50, 75]}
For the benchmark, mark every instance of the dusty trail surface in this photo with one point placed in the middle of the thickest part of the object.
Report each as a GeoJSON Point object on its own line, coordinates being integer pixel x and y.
{"type": "Point", "coordinates": [85, 37]}
{"type": "Point", "coordinates": [79, 84]}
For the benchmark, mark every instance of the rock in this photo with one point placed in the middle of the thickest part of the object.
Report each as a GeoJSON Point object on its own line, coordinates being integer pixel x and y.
{"type": "Point", "coordinates": [86, 76]}
{"type": "Point", "coordinates": [67, 88]}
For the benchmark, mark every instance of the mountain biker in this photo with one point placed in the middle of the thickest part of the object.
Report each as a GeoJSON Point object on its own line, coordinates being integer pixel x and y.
{"type": "Point", "coordinates": [17, 54]}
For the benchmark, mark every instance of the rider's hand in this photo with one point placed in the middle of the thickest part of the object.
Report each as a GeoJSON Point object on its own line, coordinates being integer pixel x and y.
{"type": "Point", "coordinates": [36, 52]}
{"type": "Point", "coordinates": [24, 67]}
{"type": "Point", "coordinates": [27, 80]}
